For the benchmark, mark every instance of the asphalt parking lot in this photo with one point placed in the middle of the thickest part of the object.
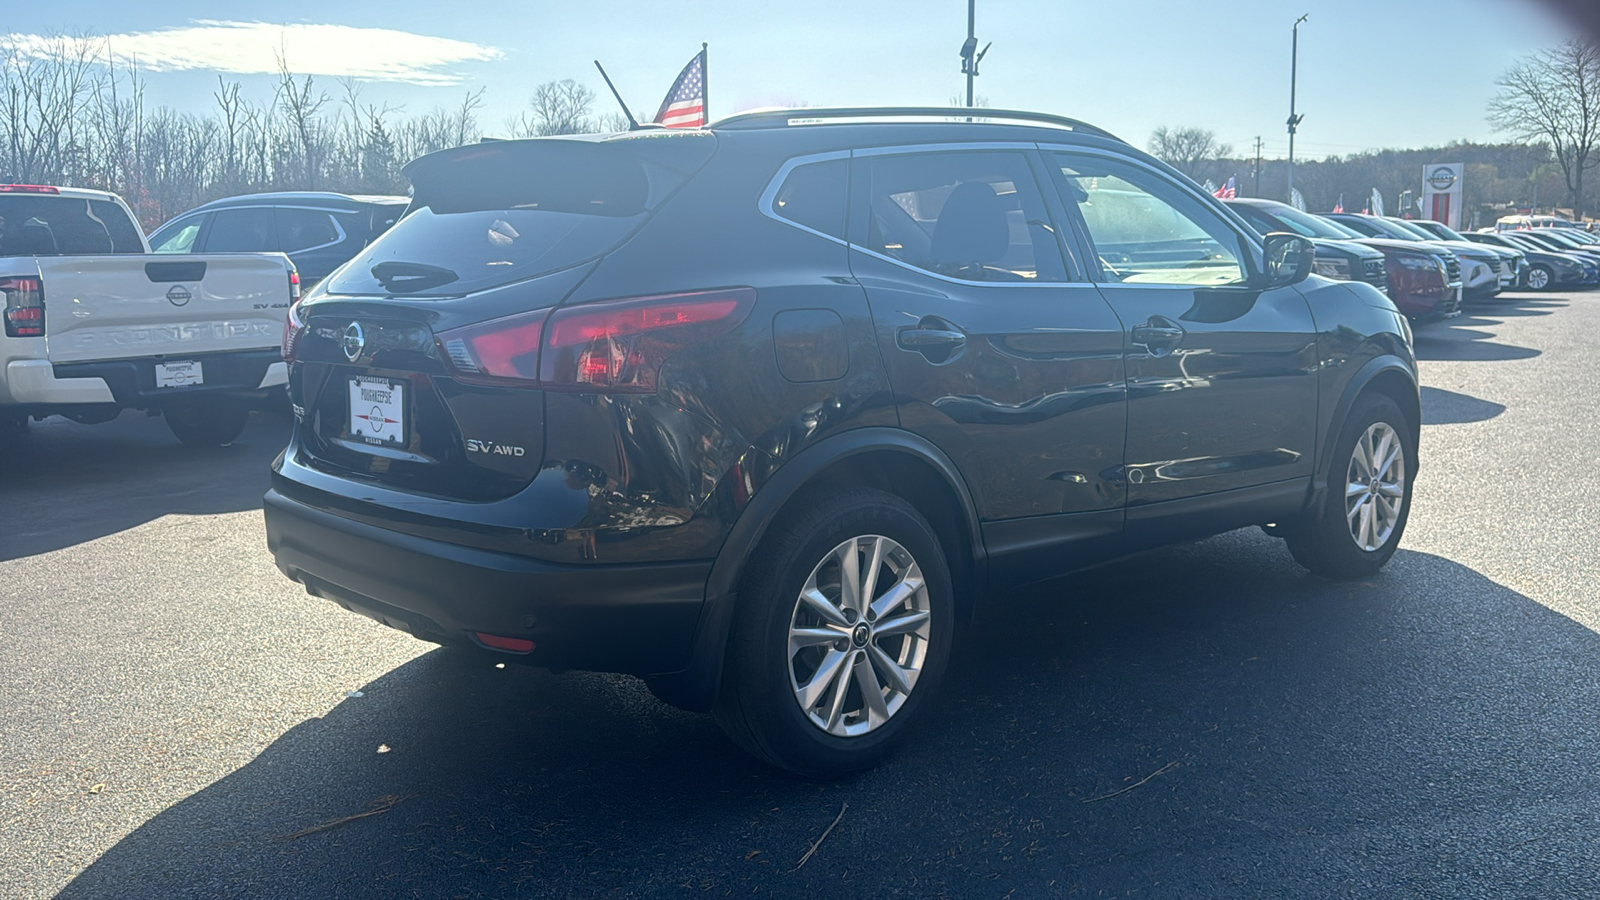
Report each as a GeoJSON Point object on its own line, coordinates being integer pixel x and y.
{"type": "Point", "coordinates": [178, 720]}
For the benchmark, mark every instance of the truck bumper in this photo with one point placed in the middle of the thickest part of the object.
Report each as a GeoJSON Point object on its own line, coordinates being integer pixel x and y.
{"type": "Point", "coordinates": [132, 382]}
{"type": "Point", "coordinates": [34, 382]}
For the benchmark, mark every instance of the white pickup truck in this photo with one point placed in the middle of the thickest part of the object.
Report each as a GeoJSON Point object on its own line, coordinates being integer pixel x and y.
{"type": "Point", "coordinates": [95, 323]}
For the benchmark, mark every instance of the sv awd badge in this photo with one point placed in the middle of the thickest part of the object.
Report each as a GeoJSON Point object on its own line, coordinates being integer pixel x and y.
{"type": "Point", "coordinates": [477, 446]}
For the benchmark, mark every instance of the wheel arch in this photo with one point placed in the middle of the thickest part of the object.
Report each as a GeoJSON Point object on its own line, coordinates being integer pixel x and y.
{"type": "Point", "coordinates": [899, 461]}
{"type": "Point", "coordinates": [1390, 376]}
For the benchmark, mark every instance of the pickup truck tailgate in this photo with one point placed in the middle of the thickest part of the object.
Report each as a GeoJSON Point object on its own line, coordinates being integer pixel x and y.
{"type": "Point", "coordinates": [119, 307]}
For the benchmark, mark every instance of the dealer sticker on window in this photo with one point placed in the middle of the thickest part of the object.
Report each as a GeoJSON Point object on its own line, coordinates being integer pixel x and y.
{"type": "Point", "coordinates": [377, 411]}
{"type": "Point", "coordinates": [179, 373]}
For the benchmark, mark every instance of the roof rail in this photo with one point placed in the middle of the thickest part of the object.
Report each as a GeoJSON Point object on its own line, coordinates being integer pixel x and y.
{"type": "Point", "coordinates": [783, 117]}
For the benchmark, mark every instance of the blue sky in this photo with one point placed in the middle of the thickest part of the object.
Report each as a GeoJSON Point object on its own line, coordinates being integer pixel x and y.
{"type": "Point", "coordinates": [1373, 73]}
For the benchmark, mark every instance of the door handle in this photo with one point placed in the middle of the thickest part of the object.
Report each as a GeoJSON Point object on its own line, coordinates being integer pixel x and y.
{"type": "Point", "coordinates": [917, 338]}
{"type": "Point", "coordinates": [1159, 335]}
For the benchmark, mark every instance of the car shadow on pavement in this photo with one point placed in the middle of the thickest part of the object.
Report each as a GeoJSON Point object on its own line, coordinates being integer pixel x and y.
{"type": "Point", "coordinates": [63, 483]}
{"type": "Point", "coordinates": [1463, 339]}
{"type": "Point", "coordinates": [1207, 720]}
{"type": "Point", "coordinates": [1442, 407]}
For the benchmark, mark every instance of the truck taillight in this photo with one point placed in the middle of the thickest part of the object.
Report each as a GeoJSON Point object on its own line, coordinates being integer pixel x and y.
{"type": "Point", "coordinates": [294, 328]}
{"type": "Point", "coordinates": [611, 347]}
{"type": "Point", "coordinates": [294, 287]}
{"type": "Point", "coordinates": [24, 306]}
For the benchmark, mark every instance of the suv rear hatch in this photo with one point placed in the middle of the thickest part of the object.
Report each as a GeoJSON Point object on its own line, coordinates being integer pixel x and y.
{"type": "Point", "coordinates": [418, 363]}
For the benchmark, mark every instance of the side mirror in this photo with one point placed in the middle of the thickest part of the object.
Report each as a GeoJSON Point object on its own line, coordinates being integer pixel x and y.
{"type": "Point", "coordinates": [1289, 258]}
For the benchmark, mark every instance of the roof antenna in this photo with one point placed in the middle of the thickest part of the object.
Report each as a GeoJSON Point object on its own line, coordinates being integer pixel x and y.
{"type": "Point", "coordinates": [633, 124]}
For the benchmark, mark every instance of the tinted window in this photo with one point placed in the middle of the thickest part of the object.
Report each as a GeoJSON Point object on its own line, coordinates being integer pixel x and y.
{"type": "Point", "coordinates": [302, 229]}
{"type": "Point", "coordinates": [248, 230]}
{"type": "Point", "coordinates": [813, 196]}
{"type": "Point", "coordinates": [44, 225]}
{"type": "Point", "coordinates": [1362, 227]}
{"type": "Point", "coordinates": [1147, 230]}
{"type": "Point", "coordinates": [1312, 225]}
{"type": "Point", "coordinates": [1255, 219]}
{"type": "Point", "coordinates": [977, 216]}
{"type": "Point", "coordinates": [490, 214]}
{"type": "Point", "coordinates": [177, 237]}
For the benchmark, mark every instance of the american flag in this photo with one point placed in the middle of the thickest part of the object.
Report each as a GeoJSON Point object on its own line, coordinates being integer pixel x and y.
{"type": "Point", "coordinates": [1229, 191]}
{"type": "Point", "coordinates": [685, 106]}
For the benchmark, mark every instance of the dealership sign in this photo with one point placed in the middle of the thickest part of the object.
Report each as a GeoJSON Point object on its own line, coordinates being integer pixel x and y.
{"type": "Point", "coordinates": [1441, 193]}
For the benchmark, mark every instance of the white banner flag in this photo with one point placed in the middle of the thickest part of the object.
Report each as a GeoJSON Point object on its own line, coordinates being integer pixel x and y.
{"type": "Point", "coordinates": [1297, 201]}
{"type": "Point", "coordinates": [1377, 202]}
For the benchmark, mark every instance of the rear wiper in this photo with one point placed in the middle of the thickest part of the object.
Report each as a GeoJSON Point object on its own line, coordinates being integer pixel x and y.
{"type": "Point", "coordinates": [408, 277]}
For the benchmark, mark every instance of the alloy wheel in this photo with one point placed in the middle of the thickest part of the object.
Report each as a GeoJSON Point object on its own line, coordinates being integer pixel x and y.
{"type": "Point", "coordinates": [1538, 279]}
{"type": "Point", "coordinates": [1375, 486]}
{"type": "Point", "coordinates": [858, 636]}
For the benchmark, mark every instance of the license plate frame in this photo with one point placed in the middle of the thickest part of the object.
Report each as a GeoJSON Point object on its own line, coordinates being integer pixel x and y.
{"type": "Point", "coordinates": [177, 373]}
{"type": "Point", "coordinates": [377, 410]}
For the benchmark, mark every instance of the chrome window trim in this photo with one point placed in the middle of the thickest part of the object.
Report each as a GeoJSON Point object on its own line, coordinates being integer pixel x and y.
{"type": "Point", "coordinates": [769, 196]}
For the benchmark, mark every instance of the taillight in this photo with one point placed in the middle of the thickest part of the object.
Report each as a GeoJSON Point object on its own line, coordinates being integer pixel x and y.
{"type": "Point", "coordinates": [619, 345]}
{"type": "Point", "coordinates": [612, 346]}
{"type": "Point", "coordinates": [294, 286]}
{"type": "Point", "coordinates": [24, 306]}
{"type": "Point", "coordinates": [294, 328]}
{"type": "Point", "coordinates": [500, 351]}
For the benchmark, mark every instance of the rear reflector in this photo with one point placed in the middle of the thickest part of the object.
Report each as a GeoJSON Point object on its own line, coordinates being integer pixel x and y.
{"type": "Point", "coordinates": [23, 306]}
{"type": "Point", "coordinates": [513, 645]}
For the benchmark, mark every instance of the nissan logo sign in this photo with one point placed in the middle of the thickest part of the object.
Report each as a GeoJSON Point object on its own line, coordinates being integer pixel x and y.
{"type": "Point", "coordinates": [1442, 178]}
{"type": "Point", "coordinates": [178, 295]}
{"type": "Point", "coordinates": [353, 341]}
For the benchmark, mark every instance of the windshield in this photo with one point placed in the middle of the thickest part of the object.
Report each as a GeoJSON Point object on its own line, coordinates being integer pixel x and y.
{"type": "Point", "coordinates": [1410, 229]}
{"type": "Point", "coordinates": [1314, 226]}
{"type": "Point", "coordinates": [1449, 234]}
{"type": "Point", "coordinates": [489, 214]}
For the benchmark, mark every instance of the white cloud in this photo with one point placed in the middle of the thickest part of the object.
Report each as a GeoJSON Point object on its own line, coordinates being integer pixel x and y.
{"type": "Point", "coordinates": [249, 48]}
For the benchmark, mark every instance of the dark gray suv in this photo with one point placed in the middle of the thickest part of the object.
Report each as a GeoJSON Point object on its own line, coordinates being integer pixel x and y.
{"type": "Point", "coordinates": [762, 413]}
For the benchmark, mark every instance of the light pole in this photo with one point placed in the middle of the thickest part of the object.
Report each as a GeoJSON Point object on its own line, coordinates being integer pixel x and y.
{"type": "Point", "coordinates": [1294, 120]}
{"type": "Point", "coordinates": [970, 54]}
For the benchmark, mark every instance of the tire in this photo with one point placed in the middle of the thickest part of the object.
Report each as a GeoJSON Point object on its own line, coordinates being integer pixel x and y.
{"type": "Point", "coordinates": [1540, 278]}
{"type": "Point", "coordinates": [1338, 544]}
{"type": "Point", "coordinates": [206, 421]}
{"type": "Point", "coordinates": [840, 732]}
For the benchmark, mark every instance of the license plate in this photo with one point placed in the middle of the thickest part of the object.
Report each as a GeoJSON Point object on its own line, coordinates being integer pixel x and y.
{"type": "Point", "coordinates": [377, 411]}
{"type": "Point", "coordinates": [180, 373]}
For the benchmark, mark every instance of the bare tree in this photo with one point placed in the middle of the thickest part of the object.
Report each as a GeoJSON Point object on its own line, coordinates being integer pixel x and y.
{"type": "Point", "coordinates": [1553, 96]}
{"type": "Point", "coordinates": [1186, 148]}
{"type": "Point", "coordinates": [557, 107]}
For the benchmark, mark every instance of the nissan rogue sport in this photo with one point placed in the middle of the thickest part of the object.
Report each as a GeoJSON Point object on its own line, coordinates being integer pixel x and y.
{"type": "Point", "coordinates": [764, 412]}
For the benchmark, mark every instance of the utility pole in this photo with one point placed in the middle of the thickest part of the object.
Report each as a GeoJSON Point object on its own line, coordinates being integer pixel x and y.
{"type": "Point", "coordinates": [970, 54]}
{"type": "Point", "coordinates": [1294, 120]}
{"type": "Point", "coordinates": [1258, 166]}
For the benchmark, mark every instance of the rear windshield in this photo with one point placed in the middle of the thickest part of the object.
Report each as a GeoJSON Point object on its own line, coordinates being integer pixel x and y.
{"type": "Point", "coordinates": [487, 215]}
{"type": "Point", "coordinates": [48, 225]}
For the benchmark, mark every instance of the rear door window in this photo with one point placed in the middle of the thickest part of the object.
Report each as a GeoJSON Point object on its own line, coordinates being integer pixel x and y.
{"type": "Point", "coordinates": [971, 215]}
{"type": "Point", "coordinates": [247, 230]}
{"type": "Point", "coordinates": [305, 229]}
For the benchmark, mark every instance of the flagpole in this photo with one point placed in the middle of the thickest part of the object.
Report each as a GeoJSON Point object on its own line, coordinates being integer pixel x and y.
{"type": "Point", "coordinates": [705, 83]}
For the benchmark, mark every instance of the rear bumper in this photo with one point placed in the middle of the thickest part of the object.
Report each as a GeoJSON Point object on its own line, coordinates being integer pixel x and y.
{"type": "Point", "coordinates": [636, 619]}
{"type": "Point", "coordinates": [132, 382]}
